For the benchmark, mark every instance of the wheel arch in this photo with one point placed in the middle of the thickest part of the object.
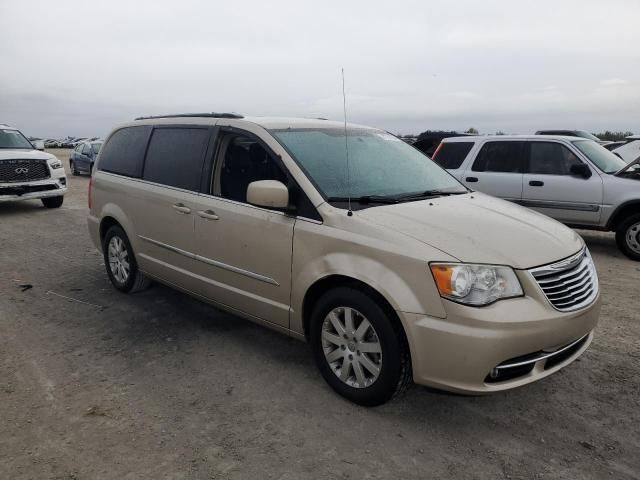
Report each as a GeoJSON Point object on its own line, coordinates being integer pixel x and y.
{"type": "Point", "coordinates": [325, 284]}
{"type": "Point", "coordinates": [623, 211]}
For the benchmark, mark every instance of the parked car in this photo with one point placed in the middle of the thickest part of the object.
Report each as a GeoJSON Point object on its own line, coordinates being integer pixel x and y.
{"type": "Point", "coordinates": [613, 145]}
{"type": "Point", "coordinates": [26, 173]}
{"type": "Point", "coordinates": [573, 180]}
{"type": "Point", "coordinates": [386, 264]}
{"type": "Point", "coordinates": [573, 133]}
{"type": "Point", "coordinates": [630, 150]}
{"type": "Point", "coordinates": [83, 157]}
{"type": "Point", "coordinates": [428, 141]}
{"type": "Point", "coordinates": [52, 143]}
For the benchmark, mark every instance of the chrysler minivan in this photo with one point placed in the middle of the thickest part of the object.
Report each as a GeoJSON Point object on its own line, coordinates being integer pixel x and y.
{"type": "Point", "coordinates": [350, 239]}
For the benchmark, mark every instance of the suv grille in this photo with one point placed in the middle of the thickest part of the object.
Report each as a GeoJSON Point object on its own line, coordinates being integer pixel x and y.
{"type": "Point", "coordinates": [23, 170]}
{"type": "Point", "coordinates": [569, 284]}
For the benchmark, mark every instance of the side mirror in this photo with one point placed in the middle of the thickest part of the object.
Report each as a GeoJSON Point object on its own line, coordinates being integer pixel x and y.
{"type": "Point", "coordinates": [39, 144]}
{"type": "Point", "coordinates": [268, 193]}
{"type": "Point", "coordinates": [580, 170]}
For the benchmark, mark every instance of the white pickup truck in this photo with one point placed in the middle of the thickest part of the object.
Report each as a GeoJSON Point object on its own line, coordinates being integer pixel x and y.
{"type": "Point", "coordinates": [573, 180]}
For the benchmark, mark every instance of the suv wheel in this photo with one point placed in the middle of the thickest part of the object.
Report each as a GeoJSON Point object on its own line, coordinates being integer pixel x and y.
{"type": "Point", "coordinates": [628, 237]}
{"type": "Point", "coordinates": [120, 262]}
{"type": "Point", "coordinates": [74, 170]}
{"type": "Point", "coordinates": [360, 351]}
{"type": "Point", "coordinates": [53, 202]}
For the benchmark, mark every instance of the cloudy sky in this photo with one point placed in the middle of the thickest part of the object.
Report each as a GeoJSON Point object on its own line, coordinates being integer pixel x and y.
{"type": "Point", "coordinates": [78, 68]}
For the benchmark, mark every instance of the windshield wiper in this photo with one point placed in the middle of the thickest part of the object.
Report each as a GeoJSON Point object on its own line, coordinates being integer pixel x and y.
{"type": "Point", "coordinates": [426, 194]}
{"type": "Point", "coordinates": [365, 199]}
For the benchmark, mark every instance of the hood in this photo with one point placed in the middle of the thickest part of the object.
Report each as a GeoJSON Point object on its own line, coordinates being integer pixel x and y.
{"type": "Point", "coordinates": [9, 154]}
{"type": "Point", "coordinates": [628, 166]}
{"type": "Point", "coordinates": [477, 228]}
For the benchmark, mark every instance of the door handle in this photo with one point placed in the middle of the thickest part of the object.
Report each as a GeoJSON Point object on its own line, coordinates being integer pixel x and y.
{"type": "Point", "coordinates": [471, 179]}
{"type": "Point", "coordinates": [180, 208]}
{"type": "Point", "coordinates": [536, 183]}
{"type": "Point", "coordinates": [208, 214]}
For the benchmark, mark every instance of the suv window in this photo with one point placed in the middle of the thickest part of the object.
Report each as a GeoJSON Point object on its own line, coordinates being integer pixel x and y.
{"type": "Point", "coordinates": [86, 149]}
{"type": "Point", "coordinates": [123, 153]}
{"type": "Point", "coordinates": [501, 156]}
{"type": "Point", "coordinates": [550, 158]}
{"type": "Point", "coordinates": [450, 155]}
{"type": "Point", "coordinates": [242, 160]}
{"type": "Point", "coordinates": [175, 157]}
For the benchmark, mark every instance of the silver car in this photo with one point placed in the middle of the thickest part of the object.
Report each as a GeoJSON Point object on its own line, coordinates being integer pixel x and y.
{"type": "Point", "coordinates": [573, 180]}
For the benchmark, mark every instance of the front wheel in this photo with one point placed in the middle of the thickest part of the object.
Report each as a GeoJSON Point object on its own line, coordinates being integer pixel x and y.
{"type": "Point", "coordinates": [120, 262]}
{"type": "Point", "coordinates": [628, 236]}
{"type": "Point", "coordinates": [360, 351]}
{"type": "Point", "coordinates": [53, 202]}
{"type": "Point", "coordinates": [74, 170]}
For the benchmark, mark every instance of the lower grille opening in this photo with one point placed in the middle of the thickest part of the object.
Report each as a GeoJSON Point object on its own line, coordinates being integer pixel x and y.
{"type": "Point", "coordinates": [523, 365]}
{"type": "Point", "coordinates": [564, 355]}
{"type": "Point", "coordinates": [21, 190]}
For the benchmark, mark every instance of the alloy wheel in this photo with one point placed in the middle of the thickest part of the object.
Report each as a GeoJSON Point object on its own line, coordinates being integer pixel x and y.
{"type": "Point", "coordinates": [118, 259]}
{"type": "Point", "coordinates": [351, 347]}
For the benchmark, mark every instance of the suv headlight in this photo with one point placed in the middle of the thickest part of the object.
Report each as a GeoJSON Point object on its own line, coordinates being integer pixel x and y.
{"type": "Point", "coordinates": [55, 164]}
{"type": "Point", "coordinates": [475, 285]}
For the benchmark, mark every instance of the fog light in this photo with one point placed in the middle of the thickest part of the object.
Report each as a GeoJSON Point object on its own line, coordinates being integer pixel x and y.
{"type": "Point", "coordinates": [63, 181]}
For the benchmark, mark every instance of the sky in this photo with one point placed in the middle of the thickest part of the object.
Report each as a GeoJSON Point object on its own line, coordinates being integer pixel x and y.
{"type": "Point", "coordinates": [81, 67]}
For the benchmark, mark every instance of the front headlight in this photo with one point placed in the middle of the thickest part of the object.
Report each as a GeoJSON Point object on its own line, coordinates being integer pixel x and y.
{"type": "Point", "coordinates": [475, 285]}
{"type": "Point", "coordinates": [55, 164]}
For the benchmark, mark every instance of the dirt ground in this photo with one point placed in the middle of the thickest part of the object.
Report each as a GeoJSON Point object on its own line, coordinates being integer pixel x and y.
{"type": "Point", "coordinates": [97, 384]}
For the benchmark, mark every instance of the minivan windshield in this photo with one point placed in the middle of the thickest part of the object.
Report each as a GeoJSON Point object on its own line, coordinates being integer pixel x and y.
{"type": "Point", "coordinates": [381, 166]}
{"type": "Point", "coordinates": [14, 139]}
{"type": "Point", "coordinates": [600, 156]}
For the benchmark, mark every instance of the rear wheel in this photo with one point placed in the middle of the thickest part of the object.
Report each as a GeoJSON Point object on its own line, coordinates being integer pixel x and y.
{"type": "Point", "coordinates": [53, 202]}
{"type": "Point", "coordinates": [360, 351]}
{"type": "Point", "coordinates": [120, 262]}
{"type": "Point", "coordinates": [628, 236]}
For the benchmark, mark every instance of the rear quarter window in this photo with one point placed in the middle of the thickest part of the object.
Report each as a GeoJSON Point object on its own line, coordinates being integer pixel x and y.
{"type": "Point", "coordinates": [123, 153]}
{"type": "Point", "coordinates": [450, 155]}
{"type": "Point", "coordinates": [175, 157]}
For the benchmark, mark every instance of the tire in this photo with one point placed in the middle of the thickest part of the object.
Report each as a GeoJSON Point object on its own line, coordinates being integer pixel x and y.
{"type": "Point", "coordinates": [74, 170]}
{"type": "Point", "coordinates": [129, 279]}
{"type": "Point", "coordinates": [628, 236]}
{"type": "Point", "coordinates": [53, 202]}
{"type": "Point", "coordinates": [385, 335]}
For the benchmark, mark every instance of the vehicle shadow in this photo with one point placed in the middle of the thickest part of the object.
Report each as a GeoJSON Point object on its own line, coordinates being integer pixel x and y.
{"type": "Point", "coordinates": [20, 207]}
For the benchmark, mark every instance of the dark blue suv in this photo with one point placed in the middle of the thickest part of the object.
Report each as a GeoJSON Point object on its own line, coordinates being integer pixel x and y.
{"type": "Point", "coordinates": [83, 155]}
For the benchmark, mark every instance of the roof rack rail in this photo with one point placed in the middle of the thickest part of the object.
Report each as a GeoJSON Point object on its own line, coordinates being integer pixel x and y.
{"type": "Point", "coordinates": [209, 115]}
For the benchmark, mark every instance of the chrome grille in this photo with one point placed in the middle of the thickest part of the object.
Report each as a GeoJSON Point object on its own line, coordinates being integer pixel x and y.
{"type": "Point", "coordinates": [23, 170]}
{"type": "Point", "coordinates": [569, 284]}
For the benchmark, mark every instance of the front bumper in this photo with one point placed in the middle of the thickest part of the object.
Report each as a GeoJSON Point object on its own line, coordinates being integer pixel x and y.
{"type": "Point", "coordinates": [459, 353]}
{"type": "Point", "coordinates": [50, 187]}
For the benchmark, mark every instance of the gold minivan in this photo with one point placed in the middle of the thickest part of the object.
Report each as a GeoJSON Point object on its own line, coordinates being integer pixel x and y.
{"type": "Point", "coordinates": [349, 238]}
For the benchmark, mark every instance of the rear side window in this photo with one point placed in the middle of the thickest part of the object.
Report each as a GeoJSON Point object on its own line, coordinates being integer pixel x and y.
{"type": "Point", "coordinates": [505, 157]}
{"type": "Point", "coordinates": [450, 155]}
{"type": "Point", "coordinates": [175, 157]}
{"type": "Point", "coordinates": [124, 151]}
{"type": "Point", "coordinates": [548, 158]}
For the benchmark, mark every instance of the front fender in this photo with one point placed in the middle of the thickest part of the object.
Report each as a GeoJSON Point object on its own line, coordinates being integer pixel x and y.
{"type": "Point", "coordinates": [400, 275]}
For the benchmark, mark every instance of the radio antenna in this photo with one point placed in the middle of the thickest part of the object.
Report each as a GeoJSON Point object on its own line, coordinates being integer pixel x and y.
{"type": "Point", "coordinates": [346, 146]}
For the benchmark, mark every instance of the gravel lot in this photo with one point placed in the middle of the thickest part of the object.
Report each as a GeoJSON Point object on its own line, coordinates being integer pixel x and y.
{"type": "Point", "coordinates": [98, 384]}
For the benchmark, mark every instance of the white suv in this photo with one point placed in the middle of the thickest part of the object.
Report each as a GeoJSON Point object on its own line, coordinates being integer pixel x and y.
{"type": "Point", "coordinates": [26, 173]}
{"type": "Point", "coordinates": [573, 180]}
